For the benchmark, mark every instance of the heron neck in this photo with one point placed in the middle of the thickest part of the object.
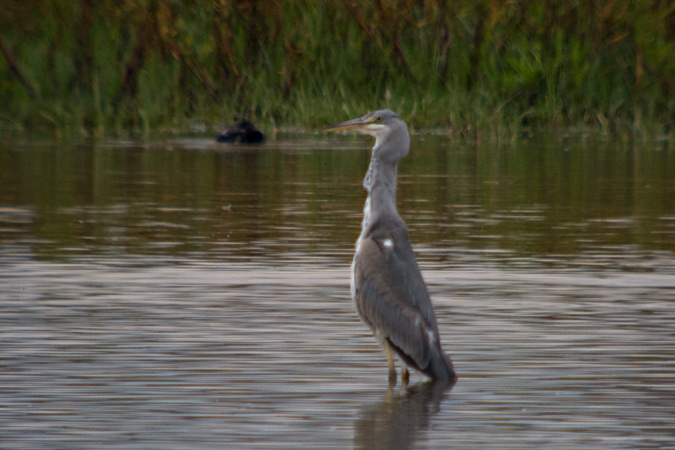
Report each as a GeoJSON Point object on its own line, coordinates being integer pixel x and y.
{"type": "Point", "coordinates": [380, 182]}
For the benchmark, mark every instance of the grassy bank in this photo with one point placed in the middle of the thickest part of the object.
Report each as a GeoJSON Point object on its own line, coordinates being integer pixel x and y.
{"type": "Point", "coordinates": [486, 67]}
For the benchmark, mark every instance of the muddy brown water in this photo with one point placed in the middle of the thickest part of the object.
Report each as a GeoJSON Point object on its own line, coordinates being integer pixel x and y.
{"type": "Point", "coordinates": [185, 294]}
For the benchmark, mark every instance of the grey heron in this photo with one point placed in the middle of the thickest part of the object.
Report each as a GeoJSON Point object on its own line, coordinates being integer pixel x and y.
{"type": "Point", "coordinates": [386, 285]}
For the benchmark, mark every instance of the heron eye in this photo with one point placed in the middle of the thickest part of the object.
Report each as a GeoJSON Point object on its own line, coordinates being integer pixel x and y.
{"type": "Point", "coordinates": [379, 119]}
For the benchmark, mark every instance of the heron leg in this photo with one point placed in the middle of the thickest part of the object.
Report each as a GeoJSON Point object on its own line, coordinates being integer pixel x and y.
{"type": "Point", "coordinates": [405, 376]}
{"type": "Point", "coordinates": [390, 362]}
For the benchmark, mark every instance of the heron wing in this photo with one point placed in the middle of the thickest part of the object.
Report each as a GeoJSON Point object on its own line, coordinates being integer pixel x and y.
{"type": "Point", "coordinates": [391, 296]}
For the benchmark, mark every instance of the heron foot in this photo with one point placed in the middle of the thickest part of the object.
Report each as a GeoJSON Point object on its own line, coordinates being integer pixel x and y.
{"type": "Point", "coordinates": [392, 377]}
{"type": "Point", "coordinates": [405, 376]}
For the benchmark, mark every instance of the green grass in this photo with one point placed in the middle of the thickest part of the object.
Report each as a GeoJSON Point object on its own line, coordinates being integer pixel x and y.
{"type": "Point", "coordinates": [478, 69]}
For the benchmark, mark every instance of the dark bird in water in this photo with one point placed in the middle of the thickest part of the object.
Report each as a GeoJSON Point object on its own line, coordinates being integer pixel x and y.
{"type": "Point", "coordinates": [244, 132]}
{"type": "Point", "coordinates": [387, 286]}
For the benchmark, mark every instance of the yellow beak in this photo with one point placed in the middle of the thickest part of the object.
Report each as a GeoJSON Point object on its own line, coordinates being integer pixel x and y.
{"type": "Point", "coordinates": [354, 124]}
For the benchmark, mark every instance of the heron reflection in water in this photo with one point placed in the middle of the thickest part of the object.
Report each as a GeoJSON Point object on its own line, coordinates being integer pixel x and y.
{"type": "Point", "coordinates": [398, 420]}
{"type": "Point", "coordinates": [387, 287]}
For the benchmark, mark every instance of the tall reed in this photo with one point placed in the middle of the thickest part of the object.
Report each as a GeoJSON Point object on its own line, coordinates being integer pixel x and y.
{"type": "Point", "coordinates": [473, 68]}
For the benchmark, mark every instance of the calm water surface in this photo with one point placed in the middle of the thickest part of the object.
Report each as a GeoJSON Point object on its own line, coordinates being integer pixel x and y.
{"type": "Point", "coordinates": [187, 294]}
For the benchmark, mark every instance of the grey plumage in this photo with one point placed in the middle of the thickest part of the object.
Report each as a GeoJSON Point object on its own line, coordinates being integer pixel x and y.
{"type": "Point", "coordinates": [387, 287]}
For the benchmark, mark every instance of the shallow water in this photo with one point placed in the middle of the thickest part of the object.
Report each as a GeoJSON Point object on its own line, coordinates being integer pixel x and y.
{"type": "Point", "coordinates": [183, 294]}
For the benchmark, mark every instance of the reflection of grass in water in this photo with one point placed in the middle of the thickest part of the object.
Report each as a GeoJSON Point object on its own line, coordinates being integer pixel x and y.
{"type": "Point", "coordinates": [485, 68]}
{"type": "Point", "coordinates": [538, 200]}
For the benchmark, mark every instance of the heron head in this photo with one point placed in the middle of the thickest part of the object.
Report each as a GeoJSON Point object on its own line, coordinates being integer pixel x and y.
{"type": "Point", "coordinates": [392, 140]}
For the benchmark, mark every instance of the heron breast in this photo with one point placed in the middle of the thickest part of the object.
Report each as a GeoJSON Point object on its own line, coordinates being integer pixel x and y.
{"type": "Point", "coordinates": [366, 214]}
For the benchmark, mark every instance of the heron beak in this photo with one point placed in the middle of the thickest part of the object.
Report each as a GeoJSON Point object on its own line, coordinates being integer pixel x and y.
{"type": "Point", "coordinates": [362, 123]}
